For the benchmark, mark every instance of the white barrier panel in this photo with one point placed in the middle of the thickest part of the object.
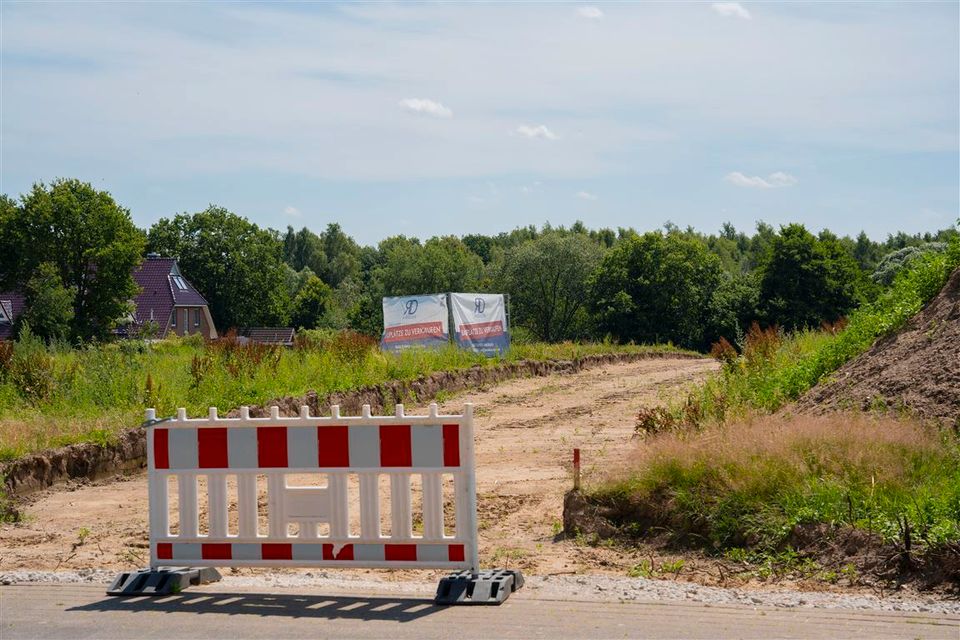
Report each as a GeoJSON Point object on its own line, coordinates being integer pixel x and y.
{"type": "Point", "coordinates": [332, 530]}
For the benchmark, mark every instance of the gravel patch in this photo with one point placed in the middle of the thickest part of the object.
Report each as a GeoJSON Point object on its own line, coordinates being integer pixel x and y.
{"type": "Point", "coordinates": [599, 588]}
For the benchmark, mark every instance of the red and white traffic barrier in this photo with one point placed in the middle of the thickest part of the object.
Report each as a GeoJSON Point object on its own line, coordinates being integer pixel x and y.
{"type": "Point", "coordinates": [349, 451]}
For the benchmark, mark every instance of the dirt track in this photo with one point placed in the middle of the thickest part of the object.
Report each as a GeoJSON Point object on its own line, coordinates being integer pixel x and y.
{"type": "Point", "coordinates": [526, 430]}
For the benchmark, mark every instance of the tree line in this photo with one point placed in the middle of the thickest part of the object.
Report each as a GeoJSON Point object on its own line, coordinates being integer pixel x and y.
{"type": "Point", "coordinates": [71, 248]}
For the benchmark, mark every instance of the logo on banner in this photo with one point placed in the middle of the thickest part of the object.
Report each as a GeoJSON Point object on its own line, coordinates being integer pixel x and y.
{"type": "Point", "coordinates": [410, 309]}
{"type": "Point", "coordinates": [479, 304]}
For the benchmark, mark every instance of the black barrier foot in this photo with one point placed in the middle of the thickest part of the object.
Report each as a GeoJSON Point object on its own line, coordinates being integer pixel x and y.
{"type": "Point", "coordinates": [160, 582]}
{"type": "Point", "coordinates": [492, 586]}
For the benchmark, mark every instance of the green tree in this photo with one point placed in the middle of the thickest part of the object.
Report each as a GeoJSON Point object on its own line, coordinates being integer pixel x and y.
{"type": "Point", "coordinates": [342, 254]}
{"type": "Point", "coordinates": [805, 280]}
{"type": "Point", "coordinates": [546, 279]}
{"type": "Point", "coordinates": [236, 265]}
{"type": "Point", "coordinates": [311, 303]}
{"type": "Point", "coordinates": [656, 288]}
{"type": "Point", "coordinates": [49, 304]}
{"type": "Point", "coordinates": [733, 308]}
{"type": "Point", "coordinates": [304, 249]}
{"type": "Point", "coordinates": [438, 265]}
{"type": "Point", "coordinates": [90, 241]}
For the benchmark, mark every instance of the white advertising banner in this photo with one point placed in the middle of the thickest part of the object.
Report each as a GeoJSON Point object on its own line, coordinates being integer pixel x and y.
{"type": "Point", "coordinates": [480, 322]}
{"type": "Point", "coordinates": [415, 321]}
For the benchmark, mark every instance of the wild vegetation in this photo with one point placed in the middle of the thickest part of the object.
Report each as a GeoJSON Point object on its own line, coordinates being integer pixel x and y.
{"type": "Point", "coordinates": [715, 474]}
{"type": "Point", "coordinates": [57, 395]}
{"type": "Point", "coordinates": [771, 367]}
{"type": "Point", "coordinates": [750, 488]}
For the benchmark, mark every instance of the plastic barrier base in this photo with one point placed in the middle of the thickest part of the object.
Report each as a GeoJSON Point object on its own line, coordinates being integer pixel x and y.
{"type": "Point", "coordinates": [492, 586]}
{"type": "Point", "coordinates": [147, 582]}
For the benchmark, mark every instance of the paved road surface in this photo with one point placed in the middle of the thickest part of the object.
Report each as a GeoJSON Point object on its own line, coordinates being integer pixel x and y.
{"type": "Point", "coordinates": [74, 612]}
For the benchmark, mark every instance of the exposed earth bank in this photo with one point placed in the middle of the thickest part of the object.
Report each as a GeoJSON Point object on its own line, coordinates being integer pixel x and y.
{"type": "Point", "coordinates": [915, 369]}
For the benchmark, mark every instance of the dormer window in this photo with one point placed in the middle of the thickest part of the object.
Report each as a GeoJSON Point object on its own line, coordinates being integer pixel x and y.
{"type": "Point", "coordinates": [177, 280]}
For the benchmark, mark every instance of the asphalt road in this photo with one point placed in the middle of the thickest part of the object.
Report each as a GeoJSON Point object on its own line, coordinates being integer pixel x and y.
{"type": "Point", "coordinates": [74, 611]}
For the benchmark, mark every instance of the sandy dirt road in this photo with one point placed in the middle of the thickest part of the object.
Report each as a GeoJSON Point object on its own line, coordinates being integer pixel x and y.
{"type": "Point", "coordinates": [525, 432]}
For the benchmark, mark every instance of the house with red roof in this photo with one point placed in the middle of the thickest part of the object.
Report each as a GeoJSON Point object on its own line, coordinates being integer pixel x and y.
{"type": "Point", "coordinates": [169, 300]}
{"type": "Point", "coordinates": [166, 299]}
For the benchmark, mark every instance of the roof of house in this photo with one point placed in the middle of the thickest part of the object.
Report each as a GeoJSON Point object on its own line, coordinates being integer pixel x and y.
{"type": "Point", "coordinates": [163, 288]}
{"type": "Point", "coordinates": [269, 335]}
{"type": "Point", "coordinates": [11, 306]}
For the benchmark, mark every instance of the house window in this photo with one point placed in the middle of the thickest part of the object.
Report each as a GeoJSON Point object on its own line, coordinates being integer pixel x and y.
{"type": "Point", "coordinates": [173, 321]}
{"type": "Point", "coordinates": [177, 280]}
{"type": "Point", "coordinates": [196, 317]}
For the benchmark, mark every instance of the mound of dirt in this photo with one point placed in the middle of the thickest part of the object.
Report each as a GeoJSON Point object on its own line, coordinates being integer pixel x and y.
{"type": "Point", "coordinates": [917, 368]}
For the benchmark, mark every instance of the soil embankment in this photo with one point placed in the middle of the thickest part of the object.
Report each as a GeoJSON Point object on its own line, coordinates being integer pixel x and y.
{"type": "Point", "coordinates": [916, 369]}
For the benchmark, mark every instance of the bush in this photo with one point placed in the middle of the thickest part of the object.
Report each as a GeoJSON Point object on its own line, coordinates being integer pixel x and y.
{"type": "Point", "coordinates": [30, 367]}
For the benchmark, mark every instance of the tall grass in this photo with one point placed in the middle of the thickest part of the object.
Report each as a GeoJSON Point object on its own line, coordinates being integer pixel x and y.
{"type": "Point", "coordinates": [751, 484]}
{"type": "Point", "coordinates": [50, 396]}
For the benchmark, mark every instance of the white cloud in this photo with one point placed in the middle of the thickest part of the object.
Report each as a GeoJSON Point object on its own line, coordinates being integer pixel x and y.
{"type": "Point", "coordinates": [537, 131]}
{"type": "Point", "coordinates": [426, 107]}
{"type": "Point", "coordinates": [586, 195]}
{"type": "Point", "coordinates": [527, 189]}
{"type": "Point", "coordinates": [731, 10]}
{"type": "Point", "coordinates": [773, 181]}
{"type": "Point", "coordinates": [292, 212]}
{"type": "Point", "coordinates": [592, 13]}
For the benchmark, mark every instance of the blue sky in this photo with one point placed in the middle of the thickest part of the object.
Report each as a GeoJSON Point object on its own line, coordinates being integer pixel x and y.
{"type": "Point", "coordinates": [427, 119]}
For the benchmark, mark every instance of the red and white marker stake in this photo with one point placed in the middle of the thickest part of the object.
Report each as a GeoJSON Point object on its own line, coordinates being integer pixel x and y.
{"type": "Point", "coordinates": [576, 469]}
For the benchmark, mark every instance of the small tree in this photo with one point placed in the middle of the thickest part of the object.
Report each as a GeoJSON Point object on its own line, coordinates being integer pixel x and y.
{"type": "Point", "coordinates": [311, 303]}
{"type": "Point", "coordinates": [805, 280]}
{"type": "Point", "coordinates": [656, 288]}
{"type": "Point", "coordinates": [547, 279]}
{"type": "Point", "coordinates": [49, 304]}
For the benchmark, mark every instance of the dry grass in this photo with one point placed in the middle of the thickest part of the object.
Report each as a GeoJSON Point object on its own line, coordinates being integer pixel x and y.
{"type": "Point", "coordinates": [750, 484]}
{"type": "Point", "coordinates": [834, 444]}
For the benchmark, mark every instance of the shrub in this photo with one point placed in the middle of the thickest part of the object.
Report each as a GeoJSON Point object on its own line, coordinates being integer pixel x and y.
{"type": "Point", "coordinates": [31, 367]}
